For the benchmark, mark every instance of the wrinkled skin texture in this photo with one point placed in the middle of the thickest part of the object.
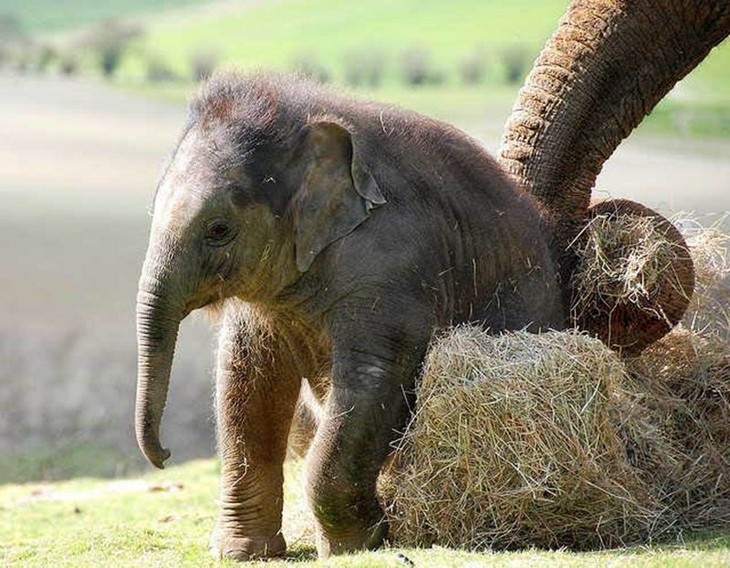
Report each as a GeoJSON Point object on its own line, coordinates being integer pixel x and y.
{"type": "Point", "coordinates": [607, 65]}
{"type": "Point", "coordinates": [341, 236]}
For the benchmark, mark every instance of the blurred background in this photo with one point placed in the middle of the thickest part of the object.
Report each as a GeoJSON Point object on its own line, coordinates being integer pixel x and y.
{"type": "Point", "coordinates": [92, 95]}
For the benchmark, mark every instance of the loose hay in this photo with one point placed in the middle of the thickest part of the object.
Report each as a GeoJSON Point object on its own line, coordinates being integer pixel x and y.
{"type": "Point", "coordinates": [634, 277]}
{"type": "Point", "coordinates": [550, 440]}
{"type": "Point", "coordinates": [709, 310]}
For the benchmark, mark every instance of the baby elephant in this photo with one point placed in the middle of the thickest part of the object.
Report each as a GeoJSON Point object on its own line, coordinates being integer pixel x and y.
{"type": "Point", "coordinates": [336, 237]}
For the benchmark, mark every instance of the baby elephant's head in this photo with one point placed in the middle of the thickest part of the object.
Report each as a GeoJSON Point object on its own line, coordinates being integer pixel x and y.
{"type": "Point", "coordinates": [252, 195]}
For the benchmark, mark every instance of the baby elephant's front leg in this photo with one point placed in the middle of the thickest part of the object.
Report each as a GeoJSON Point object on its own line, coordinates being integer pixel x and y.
{"type": "Point", "coordinates": [256, 396]}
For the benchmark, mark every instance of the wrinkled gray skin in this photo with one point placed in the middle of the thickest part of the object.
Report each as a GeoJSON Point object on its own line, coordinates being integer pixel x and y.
{"type": "Point", "coordinates": [342, 235]}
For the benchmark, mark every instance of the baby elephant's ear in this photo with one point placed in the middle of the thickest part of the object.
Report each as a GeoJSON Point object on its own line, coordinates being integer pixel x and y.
{"type": "Point", "coordinates": [337, 192]}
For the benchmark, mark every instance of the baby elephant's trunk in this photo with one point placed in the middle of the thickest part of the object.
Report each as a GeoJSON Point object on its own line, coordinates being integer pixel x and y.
{"type": "Point", "coordinates": [157, 326]}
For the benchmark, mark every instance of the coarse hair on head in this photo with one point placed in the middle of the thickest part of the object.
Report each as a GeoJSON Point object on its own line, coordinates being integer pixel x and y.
{"type": "Point", "coordinates": [255, 109]}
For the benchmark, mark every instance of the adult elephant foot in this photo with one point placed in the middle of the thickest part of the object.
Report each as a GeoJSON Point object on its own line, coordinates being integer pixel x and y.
{"type": "Point", "coordinates": [647, 276]}
{"type": "Point", "coordinates": [227, 544]}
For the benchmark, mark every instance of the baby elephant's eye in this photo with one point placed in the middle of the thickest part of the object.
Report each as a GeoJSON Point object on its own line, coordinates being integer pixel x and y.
{"type": "Point", "coordinates": [219, 232]}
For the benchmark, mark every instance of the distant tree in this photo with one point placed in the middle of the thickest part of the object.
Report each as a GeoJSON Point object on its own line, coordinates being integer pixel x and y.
{"type": "Point", "coordinates": [364, 67]}
{"type": "Point", "coordinates": [45, 55]}
{"type": "Point", "coordinates": [417, 68]}
{"type": "Point", "coordinates": [14, 41]}
{"type": "Point", "coordinates": [203, 62]}
{"type": "Point", "coordinates": [110, 40]}
{"type": "Point", "coordinates": [68, 63]}
{"type": "Point", "coordinates": [158, 70]}
{"type": "Point", "coordinates": [11, 29]}
{"type": "Point", "coordinates": [473, 66]}
{"type": "Point", "coordinates": [308, 65]}
{"type": "Point", "coordinates": [516, 60]}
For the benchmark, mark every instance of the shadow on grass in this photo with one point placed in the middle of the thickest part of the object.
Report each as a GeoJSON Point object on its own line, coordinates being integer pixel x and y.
{"type": "Point", "coordinates": [56, 464]}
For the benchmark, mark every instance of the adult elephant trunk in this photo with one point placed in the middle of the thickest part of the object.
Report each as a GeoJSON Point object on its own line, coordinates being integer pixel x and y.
{"type": "Point", "coordinates": [607, 65]}
{"type": "Point", "coordinates": [158, 320]}
{"type": "Point", "coordinates": [605, 68]}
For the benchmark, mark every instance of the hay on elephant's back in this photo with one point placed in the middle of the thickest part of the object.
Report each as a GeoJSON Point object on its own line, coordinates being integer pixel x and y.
{"type": "Point", "coordinates": [514, 444]}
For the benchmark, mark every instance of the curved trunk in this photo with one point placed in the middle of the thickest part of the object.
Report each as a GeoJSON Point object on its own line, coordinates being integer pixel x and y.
{"type": "Point", "coordinates": [608, 64]}
{"type": "Point", "coordinates": [157, 327]}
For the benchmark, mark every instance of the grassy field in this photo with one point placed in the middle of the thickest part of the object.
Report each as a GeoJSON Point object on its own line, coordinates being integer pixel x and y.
{"type": "Point", "coordinates": [277, 33]}
{"type": "Point", "coordinates": [164, 518]}
{"type": "Point", "coordinates": [328, 33]}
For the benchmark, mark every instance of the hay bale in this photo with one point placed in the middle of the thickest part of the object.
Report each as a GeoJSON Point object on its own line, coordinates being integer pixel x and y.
{"type": "Point", "coordinates": [552, 440]}
{"type": "Point", "coordinates": [514, 445]}
{"type": "Point", "coordinates": [681, 388]}
{"type": "Point", "coordinates": [634, 276]}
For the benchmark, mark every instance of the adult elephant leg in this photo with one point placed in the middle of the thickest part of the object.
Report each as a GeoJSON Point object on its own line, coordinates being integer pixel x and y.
{"type": "Point", "coordinates": [257, 386]}
{"type": "Point", "coordinates": [372, 381]}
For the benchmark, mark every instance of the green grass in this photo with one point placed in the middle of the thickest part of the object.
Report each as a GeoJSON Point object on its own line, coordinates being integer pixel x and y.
{"type": "Point", "coordinates": [53, 16]}
{"type": "Point", "coordinates": [52, 464]}
{"type": "Point", "coordinates": [277, 33]}
{"type": "Point", "coordinates": [92, 522]}
{"type": "Point", "coordinates": [706, 119]}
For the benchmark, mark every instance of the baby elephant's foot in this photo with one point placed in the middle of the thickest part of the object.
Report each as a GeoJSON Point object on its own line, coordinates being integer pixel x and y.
{"type": "Point", "coordinates": [330, 544]}
{"type": "Point", "coordinates": [225, 544]}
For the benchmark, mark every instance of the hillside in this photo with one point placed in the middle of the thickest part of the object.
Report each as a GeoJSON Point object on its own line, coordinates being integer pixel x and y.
{"type": "Point", "coordinates": [45, 16]}
{"type": "Point", "coordinates": [280, 33]}
{"type": "Point", "coordinates": [412, 52]}
{"type": "Point", "coordinates": [334, 38]}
